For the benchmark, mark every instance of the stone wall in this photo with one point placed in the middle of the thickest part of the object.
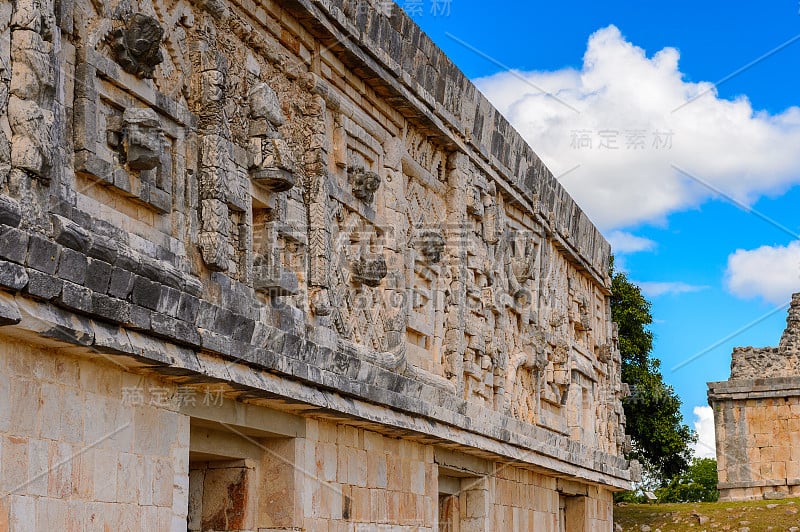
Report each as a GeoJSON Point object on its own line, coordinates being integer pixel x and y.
{"type": "Point", "coordinates": [77, 454]}
{"type": "Point", "coordinates": [305, 204]}
{"type": "Point", "coordinates": [135, 450]}
{"type": "Point", "coordinates": [757, 420]}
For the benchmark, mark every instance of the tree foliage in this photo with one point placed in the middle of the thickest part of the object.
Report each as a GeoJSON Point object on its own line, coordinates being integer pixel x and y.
{"type": "Point", "coordinates": [661, 441]}
{"type": "Point", "coordinates": [697, 484]}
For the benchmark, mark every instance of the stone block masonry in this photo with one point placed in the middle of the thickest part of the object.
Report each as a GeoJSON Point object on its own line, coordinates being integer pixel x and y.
{"type": "Point", "coordinates": [757, 419]}
{"type": "Point", "coordinates": [278, 265]}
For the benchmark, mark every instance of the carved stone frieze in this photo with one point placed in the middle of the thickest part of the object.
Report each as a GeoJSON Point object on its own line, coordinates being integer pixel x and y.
{"type": "Point", "coordinates": [215, 186]}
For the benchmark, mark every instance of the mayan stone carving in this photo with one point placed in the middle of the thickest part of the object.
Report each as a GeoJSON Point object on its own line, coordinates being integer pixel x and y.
{"type": "Point", "coordinates": [272, 166]}
{"type": "Point", "coordinates": [333, 241]}
{"type": "Point", "coordinates": [369, 271]}
{"type": "Point", "coordinates": [142, 139]}
{"type": "Point", "coordinates": [431, 245]}
{"type": "Point", "coordinates": [5, 145]}
{"type": "Point", "coordinates": [137, 45]}
{"type": "Point", "coordinates": [365, 184]}
{"type": "Point", "coordinates": [31, 86]}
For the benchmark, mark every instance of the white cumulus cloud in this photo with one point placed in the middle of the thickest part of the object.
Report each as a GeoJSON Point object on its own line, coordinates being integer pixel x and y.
{"type": "Point", "coordinates": [623, 242]}
{"type": "Point", "coordinates": [630, 101]}
{"type": "Point", "coordinates": [659, 288]}
{"type": "Point", "coordinates": [706, 446]}
{"type": "Point", "coordinates": [771, 273]}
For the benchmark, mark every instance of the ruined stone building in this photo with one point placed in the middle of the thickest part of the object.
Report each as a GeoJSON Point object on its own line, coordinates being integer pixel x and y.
{"type": "Point", "coordinates": [278, 265]}
{"type": "Point", "coordinates": [757, 419]}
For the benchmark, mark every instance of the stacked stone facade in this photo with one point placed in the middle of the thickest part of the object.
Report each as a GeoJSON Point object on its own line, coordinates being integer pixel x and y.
{"type": "Point", "coordinates": [278, 265]}
{"type": "Point", "coordinates": [757, 419]}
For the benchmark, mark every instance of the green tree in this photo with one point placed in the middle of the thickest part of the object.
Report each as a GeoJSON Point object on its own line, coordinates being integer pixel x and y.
{"type": "Point", "coordinates": [660, 439]}
{"type": "Point", "coordinates": [697, 484]}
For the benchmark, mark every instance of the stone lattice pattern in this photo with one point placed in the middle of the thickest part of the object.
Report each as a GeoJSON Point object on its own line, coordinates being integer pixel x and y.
{"type": "Point", "coordinates": [305, 203]}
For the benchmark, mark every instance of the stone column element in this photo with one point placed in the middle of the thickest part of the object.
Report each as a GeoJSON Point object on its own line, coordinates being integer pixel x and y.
{"type": "Point", "coordinates": [209, 93]}
{"type": "Point", "coordinates": [31, 88]}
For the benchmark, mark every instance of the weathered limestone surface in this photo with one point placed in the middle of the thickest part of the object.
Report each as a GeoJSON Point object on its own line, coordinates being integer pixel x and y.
{"type": "Point", "coordinates": [757, 419]}
{"type": "Point", "coordinates": [305, 204]}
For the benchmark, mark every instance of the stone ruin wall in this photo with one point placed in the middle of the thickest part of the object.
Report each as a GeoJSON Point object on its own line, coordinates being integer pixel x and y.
{"type": "Point", "coordinates": [308, 204]}
{"type": "Point", "coordinates": [757, 419]}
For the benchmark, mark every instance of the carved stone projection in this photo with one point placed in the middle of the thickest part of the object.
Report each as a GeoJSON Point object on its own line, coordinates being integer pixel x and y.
{"type": "Point", "coordinates": [272, 165]}
{"type": "Point", "coordinates": [217, 213]}
{"type": "Point", "coordinates": [369, 271]}
{"type": "Point", "coordinates": [271, 168]}
{"type": "Point", "coordinates": [365, 184]}
{"type": "Point", "coordinates": [142, 139]}
{"type": "Point", "coordinates": [137, 45]}
{"type": "Point", "coordinates": [431, 245]}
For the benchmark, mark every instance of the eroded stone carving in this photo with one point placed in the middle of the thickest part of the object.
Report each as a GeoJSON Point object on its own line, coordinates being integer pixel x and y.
{"type": "Point", "coordinates": [32, 82]}
{"type": "Point", "coordinates": [215, 164]}
{"type": "Point", "coordinates": [5, 146]}
{"type": "Point", "coordinates": [558, 376]}
{"type": "Point", "coordinates": [370, 271]}
{"type": "Point", "coordinates": [526, 375]}
{"type": "Point", "coordinates": [431, 245]}
{"type": "Point", "coordinates": [137, 46]}
{"type": "Point", "coordinates": [142, 138]}
{"type": "Point", "coordinates": [272, 164]}
{"type": "Point", "coordinates": [365, 184]}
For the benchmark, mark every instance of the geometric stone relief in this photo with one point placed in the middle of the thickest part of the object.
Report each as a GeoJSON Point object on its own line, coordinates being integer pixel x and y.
{"type": "Point", "coordinates": [426, 209]}
{"type": "Point", "coordinates": [483, 347]}
{"type": "Point", "coordinates": [359, 312]}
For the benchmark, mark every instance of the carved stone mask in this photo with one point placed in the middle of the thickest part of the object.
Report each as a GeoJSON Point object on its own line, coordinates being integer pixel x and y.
{"type": "Point", "coordinates": [264, 104]}
{"type": "Point", "coordinates": [143, 138]}
{"type": "Point", "coordinates": [137, 47]}
{"type": "Point", "coordinates": [431, 245]}
{"type": "Point", "coordinates": [370, 271]}
{"type": "Point", "coordinates": [365, 184]}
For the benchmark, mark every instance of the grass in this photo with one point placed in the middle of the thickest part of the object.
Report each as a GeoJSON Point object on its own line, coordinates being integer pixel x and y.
{"type": "Point", "coordinates": [756, 516]}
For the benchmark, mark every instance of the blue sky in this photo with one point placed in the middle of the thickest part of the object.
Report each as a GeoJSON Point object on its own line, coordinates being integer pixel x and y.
{"type": "Point", "coordinates": [706, 219]}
